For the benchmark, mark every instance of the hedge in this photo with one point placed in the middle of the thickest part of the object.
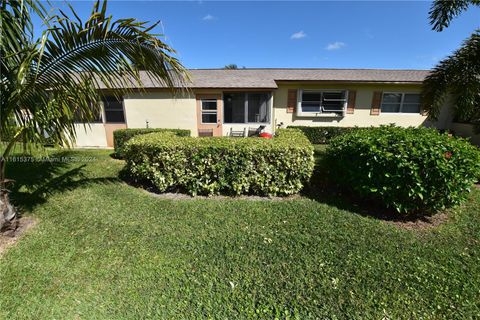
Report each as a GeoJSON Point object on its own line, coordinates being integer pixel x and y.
{"type": "Point", "coordinates": [120, 137]}
{"type": "Point", "coordinates": [414, 170]}
{"type": "Point", "coordinates": [322, 135]}
{"type": "Point", "coordinates": [222, 165]}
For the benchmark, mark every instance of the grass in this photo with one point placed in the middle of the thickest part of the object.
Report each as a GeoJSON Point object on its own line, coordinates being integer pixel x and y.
{"type": "Point", "coordinates": [106, 250]}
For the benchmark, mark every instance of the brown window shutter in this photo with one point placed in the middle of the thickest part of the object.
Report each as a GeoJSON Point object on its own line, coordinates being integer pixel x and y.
{"type": "Point", "coordinates": [376, 101]}
{"type": "Point", "coordinates": [292, 100]}
{"type": "Point", "coordinates": [351, 101]}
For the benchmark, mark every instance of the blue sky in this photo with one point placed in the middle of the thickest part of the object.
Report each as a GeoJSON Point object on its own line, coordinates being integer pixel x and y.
{"type": "Point", "coordinates": [323, 34]}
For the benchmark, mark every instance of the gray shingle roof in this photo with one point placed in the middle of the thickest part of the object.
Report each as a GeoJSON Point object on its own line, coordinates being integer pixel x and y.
{"type": "Point", "coordinates": [268, 78]}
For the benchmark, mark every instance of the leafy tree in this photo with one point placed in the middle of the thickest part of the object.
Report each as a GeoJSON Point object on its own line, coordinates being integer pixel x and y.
{"type": "Point", "coordinates": [48, 83]}
{"type": "Point", "coordinates": [459, 73]}
{"type": "Point", "coordinates": [231, 66]}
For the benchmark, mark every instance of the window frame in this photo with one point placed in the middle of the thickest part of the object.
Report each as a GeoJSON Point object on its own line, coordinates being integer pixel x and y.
{"type": "Point", "coordinates": [322, 113]}
{"type": "Point", "coordinates": [105, 121]}
{"type": "Point", "coordinates": [245, 107]}
{"type": "Point", "coordinates": [208, 111]}
{"type": "Point", "coordinates": [401, 103]}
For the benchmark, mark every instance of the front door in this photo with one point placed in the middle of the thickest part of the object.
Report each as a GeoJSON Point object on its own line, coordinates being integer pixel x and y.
{"type": "Point", "coordinates": [209, 115]}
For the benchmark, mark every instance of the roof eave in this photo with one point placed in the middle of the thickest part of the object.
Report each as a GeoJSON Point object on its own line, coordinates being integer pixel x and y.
{"type": "Point", "coordinates": [354, 81]}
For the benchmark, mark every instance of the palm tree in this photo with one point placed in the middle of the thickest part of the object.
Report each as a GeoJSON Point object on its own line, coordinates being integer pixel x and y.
{"type": "Point", "coordinates": [48, 83]}
{"type": "Point", "coordinates": [459, 73]}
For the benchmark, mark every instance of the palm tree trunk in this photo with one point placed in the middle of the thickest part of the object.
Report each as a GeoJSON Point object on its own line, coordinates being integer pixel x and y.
{"type": "Point", "coordinates": [8, 213]}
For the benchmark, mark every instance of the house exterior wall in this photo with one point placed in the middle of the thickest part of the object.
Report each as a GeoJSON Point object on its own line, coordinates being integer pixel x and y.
{"type": "Point", "coordinates": [91, 135]}
{"type": "Point", "coordinates": [363, 102]}
{"type": "Point", "coordinates": [161, 109]}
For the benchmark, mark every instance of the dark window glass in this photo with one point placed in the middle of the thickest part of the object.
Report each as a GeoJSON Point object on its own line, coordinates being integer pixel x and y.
{"type": "Point", "coordinates": [113, 110]}
{"type": "Point", "coordinates": [234, 108]}
{"type": "Point", "coordinates": [311, 96]}
{"type": "Point", "coordinates": [209, 105]}
{"type": "Point", "coordinates": [242, 107]}
{"type": "Point", "coordinates": [399, 102]}
{"type": "Point", "coordinates": [391, 102]}
{"type": "Point", "coordinates": [209, 118]}
{"type": "Point", "coordinates": [390, 107]}
{"type": "Point", "coordinates": [311, 106]}
{"type": "Point", "coordinates": [257, 107]}
{"type": "Point", "coordinates": [311, 101]}
{"type": "Point", "coordinates": [411, 103]}
{"type": "Point", "coordinates": [333, 101]}
{"type": "Point", "coordinates": [411, 108]}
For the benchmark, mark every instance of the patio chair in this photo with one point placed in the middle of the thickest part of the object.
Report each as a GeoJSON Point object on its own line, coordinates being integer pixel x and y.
{"type": "Point", "coordinates": [255, 131]}
{"type": "Point", "coordinates": [237, 133]}
{"type": "Point", "coordinates": [205, 132]}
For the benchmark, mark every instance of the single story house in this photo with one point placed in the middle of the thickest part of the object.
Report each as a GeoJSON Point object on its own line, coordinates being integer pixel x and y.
{"type": "Point", "coordinates": [223, 102]}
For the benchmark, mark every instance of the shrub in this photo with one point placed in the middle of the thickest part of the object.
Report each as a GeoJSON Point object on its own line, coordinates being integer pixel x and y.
{"type": "Point", "coordinates": [224, 165]}
{"type": "Point", "coordinates": [322, 135]}
{"type": "Point", "coordinates": [120, 137]}
{"type": "Point", "coordinates": [414, 170]}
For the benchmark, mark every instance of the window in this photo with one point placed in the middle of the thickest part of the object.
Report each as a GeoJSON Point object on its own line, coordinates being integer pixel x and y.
{"type": "Point", "coordinates": [316, 101]}
{"type": "Point", "coordinates": [209, 111]}
{"type": "Point", "coordinates": [113, 110]}
{"type": "Point", "coordinates": [401, 102]}
{"type": "Point", "coordinates": [257, 107]}
{"type": "Point", "coordinates": [250, 107]}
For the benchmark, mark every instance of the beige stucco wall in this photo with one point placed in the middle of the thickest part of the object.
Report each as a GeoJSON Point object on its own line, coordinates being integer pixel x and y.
{"type": "Point", "coordinates": [465, 130]}
{"type": "Point", "coordinates": [363, 102]}
{"type": "Point", "coordinates": [162, 110]}
{"type": "Point", "coordinates": [92, 135]}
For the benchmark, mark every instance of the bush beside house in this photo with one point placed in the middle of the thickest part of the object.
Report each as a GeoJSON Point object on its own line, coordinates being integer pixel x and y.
{"type": "Point", "coordinates": [322, 135]}
{"type": "Point", "coordinates": [120, 137]}
{"type": "Point", "coordinates": [414, 170]}
{"type": "Point", "coordinates": [278, 166]}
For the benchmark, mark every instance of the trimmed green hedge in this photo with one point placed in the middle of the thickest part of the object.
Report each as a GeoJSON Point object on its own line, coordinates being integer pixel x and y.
{"type": "Point", "coordinates": [120, 137]}
{"type": "Point", "coordinates": [223, 165]}
{"type": "Point", "coordinates": [414, 170]}
{"type": "Point", "coordinates": [322, 135]}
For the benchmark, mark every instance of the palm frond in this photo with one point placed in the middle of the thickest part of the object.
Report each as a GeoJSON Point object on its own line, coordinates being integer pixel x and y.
{"type": "Point", "coordinates": [442, 12]}
{"type": "Point", "coordinates": [458, 75]}
{"type": "Point", "coordinates": [53, 81]}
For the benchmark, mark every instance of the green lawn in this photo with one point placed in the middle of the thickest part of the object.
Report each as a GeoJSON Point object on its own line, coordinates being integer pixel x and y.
{"type": "Point", "coordinates": [105, 250]}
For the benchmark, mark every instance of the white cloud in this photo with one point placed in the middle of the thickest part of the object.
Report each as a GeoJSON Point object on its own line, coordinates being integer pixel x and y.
{"type": "Point", "coordinates": [298, 35]}
{"type": "Point", "coordinates": [335, 45]}
{"type": "Point", "coordinates": [208, 17]}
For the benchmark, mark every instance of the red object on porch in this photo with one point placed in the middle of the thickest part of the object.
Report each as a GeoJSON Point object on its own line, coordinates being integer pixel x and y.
{"type": "Point", "coordinates": [265, 135]}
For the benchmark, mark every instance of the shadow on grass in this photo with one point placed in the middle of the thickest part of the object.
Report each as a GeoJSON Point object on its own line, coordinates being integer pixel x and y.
{"type": "Point", "coordinates": [35, 181]}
